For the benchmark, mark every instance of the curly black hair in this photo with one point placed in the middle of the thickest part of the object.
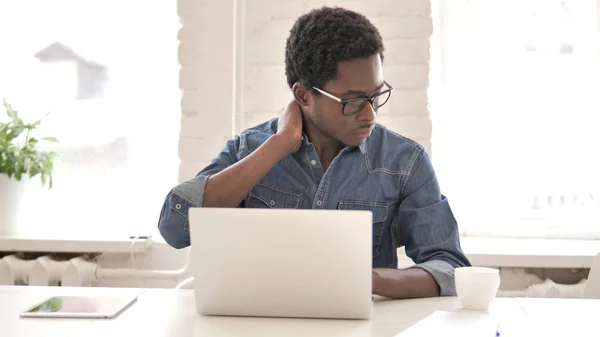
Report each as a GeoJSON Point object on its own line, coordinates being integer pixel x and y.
{"type": "Point", "coordinates": [322, 38]}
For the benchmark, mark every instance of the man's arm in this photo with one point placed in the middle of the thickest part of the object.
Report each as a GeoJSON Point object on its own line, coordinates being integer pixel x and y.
{"type": "Point", "coordinates": [229, 187]}
{"type": "Point", "coordinates": [226, 181]}
{"type": "Point", "coordinates": [427, 228]}
{"type": "Point", "coordinates": [404, 283]}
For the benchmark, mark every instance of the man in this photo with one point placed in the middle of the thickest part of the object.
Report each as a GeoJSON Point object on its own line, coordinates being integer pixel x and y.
{"type": "Point", "coordinates": [325, 151]}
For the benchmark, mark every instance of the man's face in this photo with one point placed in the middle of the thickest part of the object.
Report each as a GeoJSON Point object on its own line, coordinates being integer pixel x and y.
{"type": "Point", "coordinates": [355, 78]}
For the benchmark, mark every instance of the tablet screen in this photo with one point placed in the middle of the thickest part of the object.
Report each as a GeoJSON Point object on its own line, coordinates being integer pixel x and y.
{"type": "Point", "coordinates": [96, 306]}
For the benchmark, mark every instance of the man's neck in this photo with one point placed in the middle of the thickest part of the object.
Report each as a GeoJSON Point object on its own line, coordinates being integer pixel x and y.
{"type": "Point", "coordinates": [327, 148]}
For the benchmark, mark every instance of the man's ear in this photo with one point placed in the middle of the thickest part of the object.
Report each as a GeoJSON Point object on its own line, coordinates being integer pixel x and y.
{"type": "Point", "coordinates": [301, 94]}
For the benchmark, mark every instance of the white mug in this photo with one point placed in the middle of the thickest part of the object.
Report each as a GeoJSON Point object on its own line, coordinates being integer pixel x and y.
{"type": "Point", "coordinates": [476, 287]}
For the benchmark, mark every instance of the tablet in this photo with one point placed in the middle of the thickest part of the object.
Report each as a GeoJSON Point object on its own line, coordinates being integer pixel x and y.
{"type": "Point", "coordinates": [86, 306]}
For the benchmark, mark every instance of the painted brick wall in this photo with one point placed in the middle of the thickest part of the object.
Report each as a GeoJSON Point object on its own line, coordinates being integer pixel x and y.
{"type": "Point", "coordinates": [207, 50]}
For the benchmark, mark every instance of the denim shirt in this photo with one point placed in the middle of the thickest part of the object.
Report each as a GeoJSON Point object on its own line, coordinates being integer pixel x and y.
{"type": "Point", "coordinates": [389, 175]}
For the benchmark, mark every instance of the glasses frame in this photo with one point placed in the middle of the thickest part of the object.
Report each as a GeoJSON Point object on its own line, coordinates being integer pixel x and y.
{"type": "Point", "coordinates": [371, 98]}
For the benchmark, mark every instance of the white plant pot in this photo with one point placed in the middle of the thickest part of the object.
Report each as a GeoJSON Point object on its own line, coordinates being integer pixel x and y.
{"type": "Point", "coordinates": [11, 197]}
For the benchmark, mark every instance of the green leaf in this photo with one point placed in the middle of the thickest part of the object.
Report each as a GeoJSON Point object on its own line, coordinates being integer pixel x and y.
{"type": "Point", "coordinates": [9, 110]}
{"type": "Point", "coordinates": [35, 124]}
{"type": "Point", "coordinates": [47, 164]}
{"type": "Point", "coordinates": [34, 169]}
{"type": "Point", "coordinates": [4, 129]}
{"type": "Point", "coordinates": [21, 154]}
{"type": "Point", "coordinates": [50, 139]}
{"type": "Point", "coordinates": [14, 133]}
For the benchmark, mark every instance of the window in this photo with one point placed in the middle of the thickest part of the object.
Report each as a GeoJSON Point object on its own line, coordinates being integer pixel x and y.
{"type": "Point", "coordinates": [516, 116]}
{"type": "Point", "coordinates": [108, 73]}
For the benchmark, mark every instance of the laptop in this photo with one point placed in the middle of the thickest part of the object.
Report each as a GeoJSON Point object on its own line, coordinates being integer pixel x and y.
{"type": "Point", "coordinates": [282, 263]}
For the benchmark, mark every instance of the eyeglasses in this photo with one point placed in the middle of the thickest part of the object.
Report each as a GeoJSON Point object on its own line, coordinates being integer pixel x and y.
{"type": "Point", "coordinates": [352, 106]}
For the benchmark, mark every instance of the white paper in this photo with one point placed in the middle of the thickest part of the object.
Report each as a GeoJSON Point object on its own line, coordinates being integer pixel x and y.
{"type": "Point", "coordinates": [450, 324]}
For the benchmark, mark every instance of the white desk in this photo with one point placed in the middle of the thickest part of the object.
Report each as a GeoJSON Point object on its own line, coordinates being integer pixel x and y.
{"type": "Point", "coordinates": [62, 244]}
{"type": "Point", "coordinates": [524, 253]}
{"type": "Point", "coordinates": [167, 312]}
{"type": "Point", "coordinates": [534, 253]}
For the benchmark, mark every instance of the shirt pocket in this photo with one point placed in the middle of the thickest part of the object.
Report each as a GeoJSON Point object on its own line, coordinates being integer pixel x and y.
{"type": "Point", "coordinates": [379, 211]}
{"type": "Point", "coordinates": [264, 196]}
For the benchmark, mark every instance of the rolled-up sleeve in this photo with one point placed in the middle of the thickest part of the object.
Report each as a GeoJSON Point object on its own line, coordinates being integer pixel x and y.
{"type": "Point", "coordinates": [173, 222]}
{"type": "Point", "coordinates": [427, 227]}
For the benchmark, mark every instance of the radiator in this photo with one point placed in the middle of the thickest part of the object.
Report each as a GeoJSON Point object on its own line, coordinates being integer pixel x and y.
{"type": "Point", "coordinates": [76, 270]}
{"type": "Point", "coordinates": [548, 289]}
{"type": "Point", "coordinates": [44, 270]}
{"type": "Point", "coordinates": [14, 270]}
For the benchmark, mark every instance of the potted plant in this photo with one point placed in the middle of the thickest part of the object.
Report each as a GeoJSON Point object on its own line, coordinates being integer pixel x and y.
{"type": "Point", "coordinates": [22, 157]}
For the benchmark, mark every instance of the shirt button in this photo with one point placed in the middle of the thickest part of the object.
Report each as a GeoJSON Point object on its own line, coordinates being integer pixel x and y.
{"type": "Point", "coordinates": [177, 206]}
{"type": "Point", "coordinates": [272, 202]}
{"type": "Point", "coordinates": [314, 162]}
{"type": "Point", "coordinates": [319, 203]}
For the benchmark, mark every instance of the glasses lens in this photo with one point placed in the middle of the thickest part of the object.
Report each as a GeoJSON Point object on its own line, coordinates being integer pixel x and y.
{"type": "Point", "coordinates": [381, 99]}
{"type": "Point", "coordinates": [354, 106]}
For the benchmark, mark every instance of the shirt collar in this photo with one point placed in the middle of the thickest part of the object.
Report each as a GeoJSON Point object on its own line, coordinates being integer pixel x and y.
{"type": "Point", "coordinates": [306, 142]}
{"type": "Point", "coordinates": [363, 147]}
